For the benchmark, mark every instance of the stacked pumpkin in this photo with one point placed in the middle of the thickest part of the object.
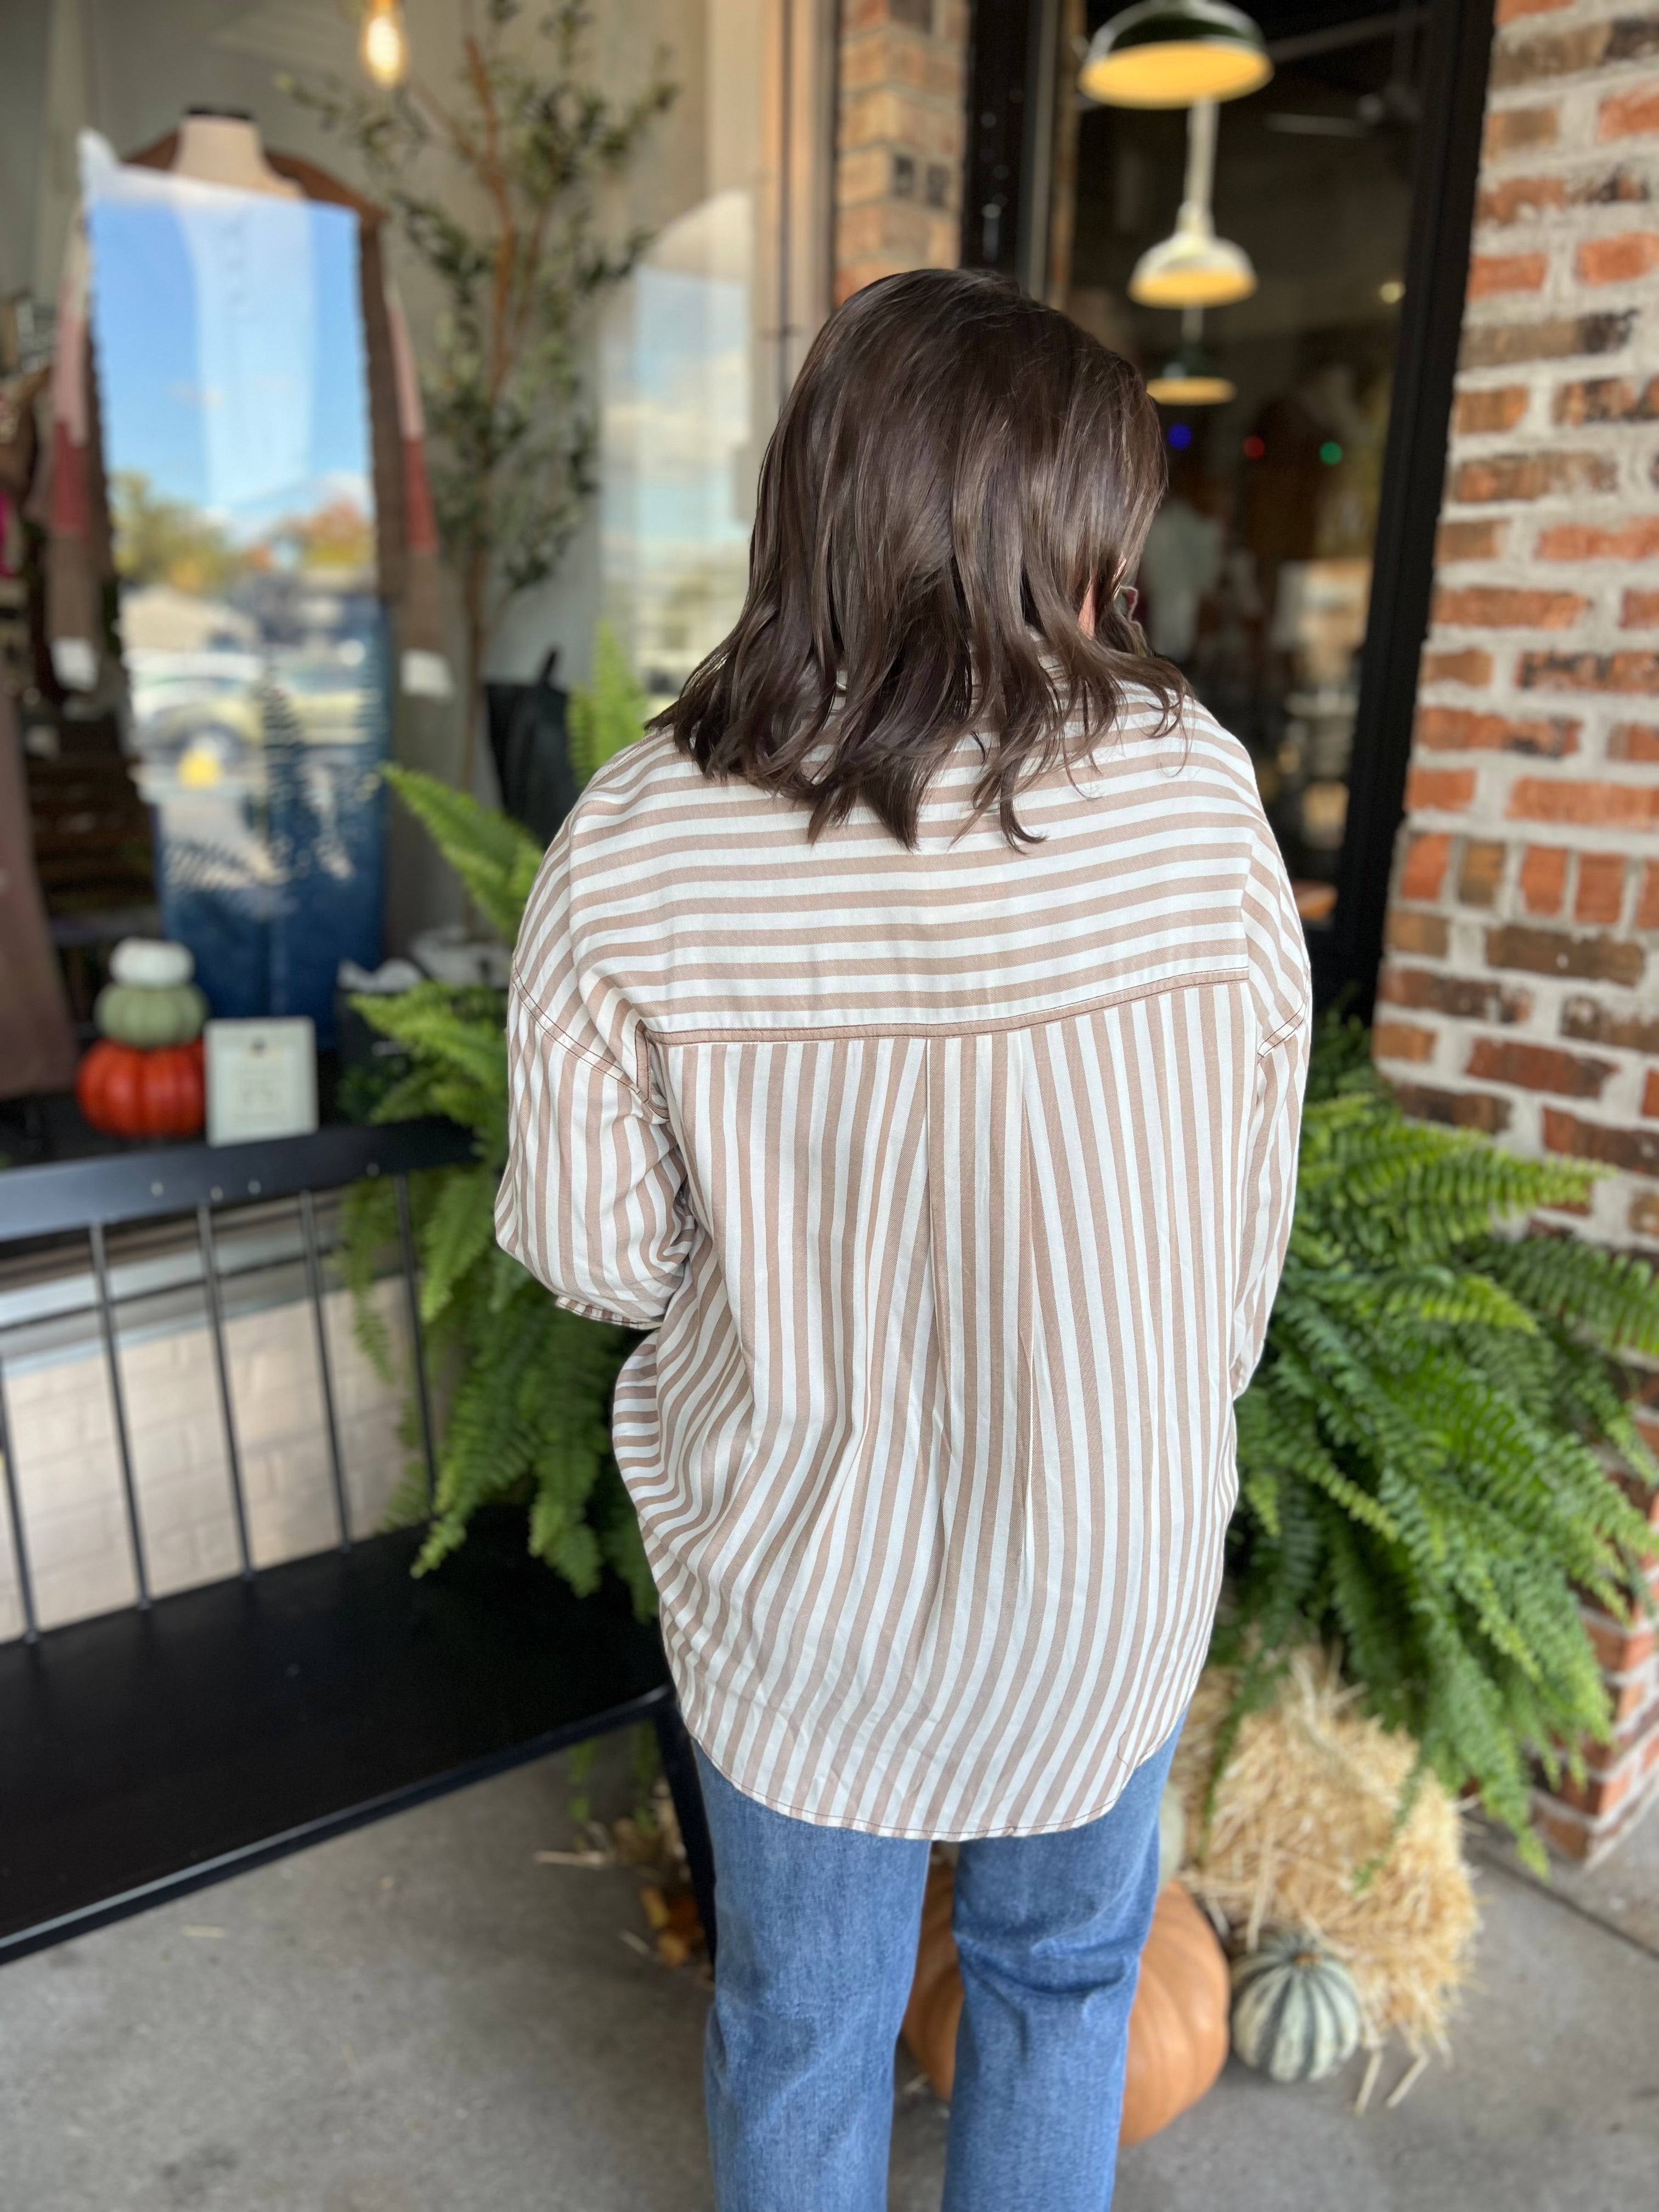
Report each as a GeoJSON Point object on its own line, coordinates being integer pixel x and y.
{"type": "Point", "coordinates": [1178, 2026]}
{"type": "Point", "coordinates": [143, 1076]}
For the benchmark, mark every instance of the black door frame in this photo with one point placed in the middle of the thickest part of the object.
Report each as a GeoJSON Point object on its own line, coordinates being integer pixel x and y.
{"type": "Point", "coordinates": [1003, 71]}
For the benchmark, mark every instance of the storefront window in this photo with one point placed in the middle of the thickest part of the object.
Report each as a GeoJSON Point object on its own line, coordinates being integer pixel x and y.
{"type": "Point", "coordinates": [1256, 577]}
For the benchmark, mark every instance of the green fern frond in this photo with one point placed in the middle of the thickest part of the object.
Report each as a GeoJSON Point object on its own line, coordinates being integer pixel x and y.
{"type": "Point", "coordinates": [1424, 1451]}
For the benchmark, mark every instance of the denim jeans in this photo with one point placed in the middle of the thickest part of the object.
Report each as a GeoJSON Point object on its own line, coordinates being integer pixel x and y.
{"type": "Point", "coordinates": [817, 1943]}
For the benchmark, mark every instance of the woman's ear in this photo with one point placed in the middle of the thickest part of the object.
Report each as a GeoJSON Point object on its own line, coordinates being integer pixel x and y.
{"type": "Point", "coordinates": [1085, 613]}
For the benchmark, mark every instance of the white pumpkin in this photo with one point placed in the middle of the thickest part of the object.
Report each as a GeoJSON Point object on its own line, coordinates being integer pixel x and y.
{"type": "Point", "coordinates": [151, 961]}
{"type": "Point", "coordinates": [1296, 2010]}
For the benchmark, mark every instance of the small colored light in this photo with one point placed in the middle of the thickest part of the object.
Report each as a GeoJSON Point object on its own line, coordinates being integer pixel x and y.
{"type": "Point", "coordinates": [1392, 293]}
{"type": "Point", "coordinates": [1180, 436]}
{"type": "Point", "coordinates": [1254, 448]}
{"type": "Point", "coordinates": [1330, 452]}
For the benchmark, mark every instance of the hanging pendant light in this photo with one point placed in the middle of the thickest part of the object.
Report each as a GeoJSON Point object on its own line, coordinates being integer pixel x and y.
{"type": "Point", "coordinates": [1194, 268]}
{"type": "Point", "coordinates": [1192, 376]}
{"type": "Point", "coordinates": [1167, 53]}
{"type": "Point", "coordinates": [385, 43]}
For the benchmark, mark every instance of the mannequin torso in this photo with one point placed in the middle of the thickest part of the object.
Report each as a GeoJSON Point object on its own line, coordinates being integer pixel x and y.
{"type": "Point", "coordinates": [225, 149]}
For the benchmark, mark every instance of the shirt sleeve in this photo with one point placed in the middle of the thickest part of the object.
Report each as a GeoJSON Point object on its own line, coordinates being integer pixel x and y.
{"type": "Point", "coordinates": [1282, 990]}
{"type": "Point", "coordinates": [592, 1200]}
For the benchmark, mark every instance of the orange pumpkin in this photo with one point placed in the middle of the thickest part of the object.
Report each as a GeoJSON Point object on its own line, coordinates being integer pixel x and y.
{"type": "Point", "coordinates": [1177, 2029]}
{"type": "Point", "coordinates": [130, 1091]}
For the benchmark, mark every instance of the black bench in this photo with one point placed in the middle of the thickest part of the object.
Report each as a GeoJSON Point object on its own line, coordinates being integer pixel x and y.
{"type": "Point", "coordinates": [187, 1737]}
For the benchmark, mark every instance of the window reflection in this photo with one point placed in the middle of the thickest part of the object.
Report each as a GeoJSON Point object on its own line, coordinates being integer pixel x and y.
{"type": "Point", "coordinates": [1256, 577]}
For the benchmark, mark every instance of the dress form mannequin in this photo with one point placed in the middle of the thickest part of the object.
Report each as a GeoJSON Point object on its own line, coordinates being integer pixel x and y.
{"type": "Point", "coordinates": [221, 146]}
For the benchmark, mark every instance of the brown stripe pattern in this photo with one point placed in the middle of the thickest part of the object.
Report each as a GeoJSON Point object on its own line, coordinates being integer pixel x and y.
{"type": "Point", "coordinates": [954, 1188]}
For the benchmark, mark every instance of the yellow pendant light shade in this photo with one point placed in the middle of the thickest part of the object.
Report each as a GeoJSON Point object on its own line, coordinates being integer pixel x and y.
{"type": "Point", "coordinates": [1167, 53]}
{"type": "Point", "coordinates": [1194, 268]}
{"type": "Point", "coordinates": [1192, 376]}
{"type": "Point", "coordinates": [1181, 384]}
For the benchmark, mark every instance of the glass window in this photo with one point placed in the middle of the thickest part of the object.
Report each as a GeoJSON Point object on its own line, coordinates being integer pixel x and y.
{"type": "Point", "coordinates": [1257, 574]}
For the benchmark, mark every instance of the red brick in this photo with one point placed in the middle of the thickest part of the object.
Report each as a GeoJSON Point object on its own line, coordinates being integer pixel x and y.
{"type": "Point", "coordinates": [1403, 1041]}
{"type": "Point", "coordinates": [1621, 1646]}
{"type": "Point", "coordinates": [1632, 114]}
{"type": "Point", "coordinates": [1543, 879]}
{"type": "Point", "coordinates": [1517, 196]}
{"type": "Point", "coordinates": [1467, 665]}
{"type": "Point", "coordinates": [1500, 606]}
{"type": "Point", "coordinates": [1478, 414]}
{"type": "Point", "coordinates": [1598, 1794]}
{"type": "Point", "coordinates": [1447, 788]}
{"type": "Point", "coordinates": [1464, 1109]}
{"type": "Point", "coordinates": [1637, 539]}
{"type": "Point", "coordinates": [1459, 729]}
{"type": "Point", "coordinates": [1633, 741]}
{"type": "Point", "coordinates": [1551, 952]}
{"type": "Point", "coordinates": [1465, 998]}
{"type": "Point", "coordinates": [1481, 870]}
{"type": "Point", "coordinates": [1491, 273]}
{"type": "Point", "coordinates": [1635, 1151]}
{"type": "Point", "coordinates": [1520, 130]}
{"type": "Point", "coordinates": [1411, 931]}
{"type": "Point", "coordinates": [1590, 1023]}
{"type": "Point", "coordinates": [1533, 475]}
{"type": "Point", "coordinates": [1558, 337]}
{"type": "Point", "coordinates": [1469, 541]}
{"type": "Point", "coordinates": [1647, 907]}
{"type": "Point", "coordinates": [1626, 672]}
{"type": "Point", "coordinates": [1639, 610]}
{"type": "Point", "coordinates": [1550, 798]}
{"type": "Point", "coordinates": [1425, 870]}
{"type": "Point", "coordinates": [1607, 399]}
{"type": "Point", "coordinates": [1601, 894]}
{"type": "Point", "coordinates": [1558, 53]}
{"type": "Point", "coordinates": [1650, 1093]}
{"type": "Point", "coordinates": [1623, 259]}
{"type": "Point", "coordinates": [1537, 1068]}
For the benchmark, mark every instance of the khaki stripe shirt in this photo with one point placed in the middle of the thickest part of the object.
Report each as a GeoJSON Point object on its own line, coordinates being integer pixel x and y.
{"type": "Point", "coordinates": [953, 1187]}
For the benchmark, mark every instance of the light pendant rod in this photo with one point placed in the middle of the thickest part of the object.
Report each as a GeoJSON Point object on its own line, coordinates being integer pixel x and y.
{"type": "Point", "coordinates": [1200, 158]}
{"type": "Point", "coordinates": [1194, 268]}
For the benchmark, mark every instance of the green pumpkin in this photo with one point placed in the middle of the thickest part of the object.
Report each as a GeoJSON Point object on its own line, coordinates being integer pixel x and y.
{"type": "Point", "coordinates": [149, 1014]}
{"type": "Point", "coordinates": [1296, 2010]}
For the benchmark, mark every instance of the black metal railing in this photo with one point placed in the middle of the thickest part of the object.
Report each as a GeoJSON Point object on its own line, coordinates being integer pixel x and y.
{"type": "Point", "coordinates": [197, 1732]}
{"type": "Point", "coordinates": [86, 1199]}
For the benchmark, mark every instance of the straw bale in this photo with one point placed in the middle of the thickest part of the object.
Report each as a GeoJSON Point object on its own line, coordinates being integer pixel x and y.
{"type": "Point", "coordinates": [1304, 1834]}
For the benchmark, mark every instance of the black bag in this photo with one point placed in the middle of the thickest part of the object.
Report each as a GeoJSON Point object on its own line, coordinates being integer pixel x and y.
{"type": "Point", "coordinates": [531, 750]}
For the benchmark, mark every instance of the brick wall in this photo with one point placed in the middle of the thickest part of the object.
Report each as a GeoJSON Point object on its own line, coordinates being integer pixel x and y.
{"type": "Point", "coordinates": [901, 135]}
{"type": "Point", "coordinates": [1520, 994]}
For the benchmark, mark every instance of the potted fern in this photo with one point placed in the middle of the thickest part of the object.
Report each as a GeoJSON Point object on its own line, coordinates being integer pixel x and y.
{"type": "Point", "coordinates": [1427, 1451]}
{"type": "Point", "coordinates": [527, 1385]}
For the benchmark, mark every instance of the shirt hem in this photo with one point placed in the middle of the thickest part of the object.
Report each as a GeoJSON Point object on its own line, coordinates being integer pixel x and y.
{"type": "Point", "coordinates": [970, 1834]}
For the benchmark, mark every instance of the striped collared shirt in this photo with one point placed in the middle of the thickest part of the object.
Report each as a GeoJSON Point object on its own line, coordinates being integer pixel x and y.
{"type": "Point", "coordinates": [953, 1188]}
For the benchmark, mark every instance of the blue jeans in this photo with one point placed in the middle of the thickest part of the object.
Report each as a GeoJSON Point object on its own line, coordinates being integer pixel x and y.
{"type": "Point", "coordinates": [817, 1943]}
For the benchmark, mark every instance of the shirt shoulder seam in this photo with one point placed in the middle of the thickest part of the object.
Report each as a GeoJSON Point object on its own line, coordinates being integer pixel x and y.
{"type": "Point", "coordinates": [595, 1056]}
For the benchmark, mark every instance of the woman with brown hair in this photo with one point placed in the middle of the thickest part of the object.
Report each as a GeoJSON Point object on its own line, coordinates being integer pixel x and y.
{"type": "Point", "coordinates": [909, 1036]}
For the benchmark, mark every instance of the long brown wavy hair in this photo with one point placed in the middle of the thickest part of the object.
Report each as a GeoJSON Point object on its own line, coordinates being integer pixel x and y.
{"type": "Point", "coordinates": [957, 474]}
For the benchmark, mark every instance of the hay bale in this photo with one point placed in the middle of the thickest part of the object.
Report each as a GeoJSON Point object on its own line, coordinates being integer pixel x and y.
{"type": "Point", "coordinates": [1302, 1835]}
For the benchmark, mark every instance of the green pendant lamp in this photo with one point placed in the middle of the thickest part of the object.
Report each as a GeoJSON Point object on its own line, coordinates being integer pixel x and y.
{"type": "Point", "coordinates": [1194, 268]}
{"type": "Point", "coordinates": [1192, 376]}
{"type": "Point", "coordinates": [1169, 54]}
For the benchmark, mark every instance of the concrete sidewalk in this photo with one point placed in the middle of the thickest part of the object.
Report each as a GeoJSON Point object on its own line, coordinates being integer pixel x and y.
{"type": "Point", "coordinates": [419, 2018]}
